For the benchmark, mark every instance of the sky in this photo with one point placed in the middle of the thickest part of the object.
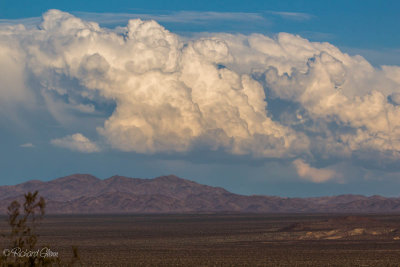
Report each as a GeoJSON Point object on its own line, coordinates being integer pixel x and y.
{"type": "Point", "coordinates": [287, 98]}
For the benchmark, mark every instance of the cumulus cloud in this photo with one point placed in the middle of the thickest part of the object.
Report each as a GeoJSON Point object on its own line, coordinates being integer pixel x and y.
{"type": "Point", "coordinates": [306, 172]}
{"type": "Point", "coordinates": [174, 94]}
{"type": "Point", "coordinates": [76, 142]}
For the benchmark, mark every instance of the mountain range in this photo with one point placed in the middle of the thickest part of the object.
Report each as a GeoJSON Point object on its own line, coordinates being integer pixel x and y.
{"type": "Point", "coordinates": [86, 194]}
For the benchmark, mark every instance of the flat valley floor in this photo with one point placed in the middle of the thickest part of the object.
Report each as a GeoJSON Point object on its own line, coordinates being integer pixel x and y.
{"type": "Point", "coordinates": [222, 239]}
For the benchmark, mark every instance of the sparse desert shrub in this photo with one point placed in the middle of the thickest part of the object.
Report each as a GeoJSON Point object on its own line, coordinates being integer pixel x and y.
{"type": "Point", "coordinates": [22, 249]}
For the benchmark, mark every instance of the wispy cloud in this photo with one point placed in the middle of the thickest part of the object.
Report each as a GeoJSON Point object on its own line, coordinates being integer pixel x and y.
{"type": "Point", "coordinates": [27, 145]}
{"type": "Point", "coordinates": [299, 16]}
{"type": "Point", "coordinates": [176, 17]}
{"type": "Point", "coordinates": [24, 21]}
{"type": "Point", "coordinates": [193, 17]}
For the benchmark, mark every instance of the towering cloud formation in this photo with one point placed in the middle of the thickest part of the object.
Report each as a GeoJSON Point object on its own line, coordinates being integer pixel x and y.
{"type": "Point", "coordinates": [172, 95]}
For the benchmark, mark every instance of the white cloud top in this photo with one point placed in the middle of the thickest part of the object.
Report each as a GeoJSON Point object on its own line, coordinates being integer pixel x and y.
{"type": "Point", "coordinates": [176, 95]}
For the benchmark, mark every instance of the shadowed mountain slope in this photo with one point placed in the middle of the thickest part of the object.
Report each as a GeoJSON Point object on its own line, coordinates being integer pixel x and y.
{"type": "Point", "coordinates": [84, 193]}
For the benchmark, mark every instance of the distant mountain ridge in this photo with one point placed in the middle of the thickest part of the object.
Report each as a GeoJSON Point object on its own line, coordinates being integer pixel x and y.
{"type": "Point", "coordinates": [84, 193]}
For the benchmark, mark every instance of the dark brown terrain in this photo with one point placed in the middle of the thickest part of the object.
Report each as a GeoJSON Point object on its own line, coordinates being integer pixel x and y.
{"type": "Point", "coordinates": [84, 194]}
{"type": "Point", "coordinates": [223, 239]}
{"type": "Point", "coordinates": [169, 221]}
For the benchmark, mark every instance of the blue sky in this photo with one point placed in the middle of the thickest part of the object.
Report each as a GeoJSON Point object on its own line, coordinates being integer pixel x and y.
{"type": "Point", "coordinates": [355, 24]}
{"type": "Point", "coordinates": [64, 131]}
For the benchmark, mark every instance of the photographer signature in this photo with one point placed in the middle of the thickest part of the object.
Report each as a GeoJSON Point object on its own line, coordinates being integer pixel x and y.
{"type": "Point", "coordinates": [20, 253]}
